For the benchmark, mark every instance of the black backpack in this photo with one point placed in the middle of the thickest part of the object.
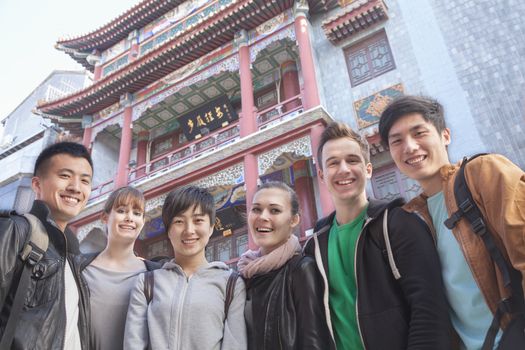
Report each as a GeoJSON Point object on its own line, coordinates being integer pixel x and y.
{"type": "Point", "coordinates": [32, 252]}
{"type": "Point", "coordinates": [513, 337]}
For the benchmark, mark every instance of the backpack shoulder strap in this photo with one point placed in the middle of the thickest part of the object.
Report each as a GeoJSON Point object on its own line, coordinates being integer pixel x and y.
{"type": "Point", "coordinates": [230, 291]}
{"type": "Point", "coordinates": [468, 209]}
{"type": "Point", "coordinates": [31, 254]}
{"type": "Point", "coordinates": [38, 241]}
{"type": "Point", "coordinates": [149, 282]}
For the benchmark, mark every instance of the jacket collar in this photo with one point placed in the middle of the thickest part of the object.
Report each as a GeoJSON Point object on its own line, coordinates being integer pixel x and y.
{"type": "Point", "coordinates": [375, 208]}
{"type": "Point", "coordinates": [42, 212]}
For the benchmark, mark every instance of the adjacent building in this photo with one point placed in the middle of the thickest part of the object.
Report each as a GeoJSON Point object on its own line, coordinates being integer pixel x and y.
{"type": "Point", "coordinates": [25, 134]}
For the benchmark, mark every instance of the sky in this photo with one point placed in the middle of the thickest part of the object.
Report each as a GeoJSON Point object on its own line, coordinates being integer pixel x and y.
{"type": "Point", "coordinates": [30, 29]}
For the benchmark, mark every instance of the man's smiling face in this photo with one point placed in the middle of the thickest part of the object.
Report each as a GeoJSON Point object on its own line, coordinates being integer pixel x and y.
{"type": "Point", "coordinates": [64, 185]}
{"type": "Point", "coordinates": [344, 170]}
{"type": "Point", "coordinates": [419, 150]}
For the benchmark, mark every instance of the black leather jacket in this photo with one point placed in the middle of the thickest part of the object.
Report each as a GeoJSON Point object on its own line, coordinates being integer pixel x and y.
{"type": "Point", "coordinates": [284, 308]}
{"type": "Point", "coordinates": [43, 318]}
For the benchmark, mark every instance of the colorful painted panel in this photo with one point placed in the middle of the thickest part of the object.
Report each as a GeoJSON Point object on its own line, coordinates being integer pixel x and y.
{"type": "Point", "coordinates": [368, 110]}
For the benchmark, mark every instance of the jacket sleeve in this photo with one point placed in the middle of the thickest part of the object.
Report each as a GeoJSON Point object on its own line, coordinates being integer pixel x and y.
{"type": "Point", "coordinates": [307, 291]}
{"type": "Point", "coordinates": [136, 335]}
{"type": "Point", "coordinates": [498, 187]}
{"type": "Point", "coordinates": [421, 283]}
{"type": "Point", "coordinates": [11, 243]}
{"type": "Point", "coordinates": [235, 337]}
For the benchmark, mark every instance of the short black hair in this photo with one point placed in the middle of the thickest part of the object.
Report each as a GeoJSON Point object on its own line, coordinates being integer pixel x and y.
{"type": "Point", "coordinates": [430, 109]}
{"type": "Point", "coordinates": [65, 147]}
{"type": "Point", "coordinates": [184, 198]}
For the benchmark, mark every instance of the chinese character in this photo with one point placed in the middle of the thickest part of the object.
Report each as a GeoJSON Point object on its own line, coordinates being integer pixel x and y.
{"type": "Point", "coordinates": [190, 124]}
{"type": "Point", "coordinates": [200, 122]}
{"type": "Point", "coordinates": [209, 117]}
{"type": "Point", "coordinates": [218, 112]}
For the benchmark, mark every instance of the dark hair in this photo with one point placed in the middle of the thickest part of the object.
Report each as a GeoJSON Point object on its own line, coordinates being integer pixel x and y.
{"type": "Point", "coordinates": [430, 109]}
{"type": "Point", "coordinates": [125, 196]}
{"type": "Point", "coordinates": [338, 130]}
{"type": "Point", "coordinates": [294, 202]}
{"type": "Point", "coordinates": [184, 198]}
{"type": "Point", "coordinates": [70, 148]}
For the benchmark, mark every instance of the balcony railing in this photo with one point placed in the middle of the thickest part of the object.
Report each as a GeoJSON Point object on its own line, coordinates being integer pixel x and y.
{"type": "Point", "coordinates": [177, 157]}
{"type": "Point", "coordinates": [280, 111]}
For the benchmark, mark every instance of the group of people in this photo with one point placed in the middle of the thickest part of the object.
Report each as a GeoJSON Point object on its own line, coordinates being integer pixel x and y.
{"type": "Point", "coordinates": [374, 275]}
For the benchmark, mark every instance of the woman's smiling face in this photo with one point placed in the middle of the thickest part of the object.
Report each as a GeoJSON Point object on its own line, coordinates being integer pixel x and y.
{"type": "Point", "coordinates": [270, 218]}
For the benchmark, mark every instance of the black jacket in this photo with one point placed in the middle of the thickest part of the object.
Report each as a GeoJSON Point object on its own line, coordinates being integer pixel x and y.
{"type": "Point", "coordinates": [406, 313]}
{"type": "Point", "coordinates": [43, 318]}
{"type": "Point", "coordinates": [284, 308]}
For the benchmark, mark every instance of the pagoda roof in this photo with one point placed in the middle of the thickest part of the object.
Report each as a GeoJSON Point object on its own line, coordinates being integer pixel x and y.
{"type": "Point", "coordinates": [357, 16]}
{"type": "Point", "coordinates": [138, 16]}
{"type": "Point", "coordinates": [111, 33]}
{"type": "Point", "coordinates": [173, 54]}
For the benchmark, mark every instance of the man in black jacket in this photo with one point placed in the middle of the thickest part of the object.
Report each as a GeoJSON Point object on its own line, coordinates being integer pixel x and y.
{"type": "Point", "coordinates": [54, 314]}
{"type": "Point", "coordinates": [383, 288]}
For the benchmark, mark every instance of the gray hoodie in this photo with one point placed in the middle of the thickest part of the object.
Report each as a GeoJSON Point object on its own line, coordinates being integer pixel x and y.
{"type": "Point", "coordinates": [186, 313]}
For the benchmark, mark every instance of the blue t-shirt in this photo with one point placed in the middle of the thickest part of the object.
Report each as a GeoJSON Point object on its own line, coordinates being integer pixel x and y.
{"type": "Point", "coordinates": [469, 312]}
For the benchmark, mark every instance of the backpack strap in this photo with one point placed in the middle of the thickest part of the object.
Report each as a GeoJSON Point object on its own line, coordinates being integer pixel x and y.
{"type": "Point", "coordinates": [230, 291]}
{"type": "Point", "coordinates": [149, 282]}
{"type": "Point", "coordinates": [33, 251]}
{"type": "Point", "coordinates": [468, 209]}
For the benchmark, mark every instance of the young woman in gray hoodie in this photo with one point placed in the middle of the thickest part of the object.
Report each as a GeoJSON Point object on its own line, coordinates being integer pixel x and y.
{"type": "Point", "coordinates": [186, 311]}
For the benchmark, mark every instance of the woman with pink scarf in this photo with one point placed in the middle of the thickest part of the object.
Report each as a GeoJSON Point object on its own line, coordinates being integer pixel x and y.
{"type": "Point", "coordinates": [284, 290]}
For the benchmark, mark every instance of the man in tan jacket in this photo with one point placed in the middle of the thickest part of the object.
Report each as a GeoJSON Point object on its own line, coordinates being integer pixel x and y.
{"type": "Point", "coordinates": [414, 129]}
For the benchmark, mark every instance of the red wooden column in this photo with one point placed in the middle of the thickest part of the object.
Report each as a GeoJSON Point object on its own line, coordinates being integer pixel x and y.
{"type": "Point", "coordinates": [327, 205]}
{"type": "Point", "coordinates": [125, 142]}
{"type": "Point", "coordinates": [142, 152]}
{"type": "Point", "coordinates": [250, 183]}
{"type": "Point", "coordinates": [289, 84]}
{"type": "Point", "coordinates": [247, 122]}
{"type": "Point", "coordinates": [305, 194]}
{"type": "Point", "coordinates": [311, 92]}
{"type": "Point", "coordinates": [87, 120]}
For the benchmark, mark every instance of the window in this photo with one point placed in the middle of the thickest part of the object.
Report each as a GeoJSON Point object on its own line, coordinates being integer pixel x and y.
{"type": "Point", "coordinates": [369, 58]}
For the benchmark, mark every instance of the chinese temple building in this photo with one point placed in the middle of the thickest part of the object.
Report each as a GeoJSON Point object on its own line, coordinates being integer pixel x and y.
{"type": "Point", "coordinates": [220, 94]}
{"type": "Point", "coordinates": [227, 94]}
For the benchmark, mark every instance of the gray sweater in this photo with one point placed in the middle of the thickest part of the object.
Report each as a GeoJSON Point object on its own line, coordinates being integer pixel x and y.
{"type": "Point", "coordinates": [186, 313]}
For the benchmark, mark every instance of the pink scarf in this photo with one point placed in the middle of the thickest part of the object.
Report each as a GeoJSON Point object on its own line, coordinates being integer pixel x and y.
{"type": "Point", "coordinates": [252, 262]}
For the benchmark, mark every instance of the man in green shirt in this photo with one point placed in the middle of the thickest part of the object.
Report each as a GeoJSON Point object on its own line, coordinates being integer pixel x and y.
{"type": "Point", "coordinates": [383, 291]}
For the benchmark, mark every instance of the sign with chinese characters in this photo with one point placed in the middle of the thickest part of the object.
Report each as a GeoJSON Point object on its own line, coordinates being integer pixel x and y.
{"type": "Point", "coordinates": [368, 110]}
{"type": "Point", "coordinates": [228, 220]}
{"type": "Point", "coordinates": [205, 119]}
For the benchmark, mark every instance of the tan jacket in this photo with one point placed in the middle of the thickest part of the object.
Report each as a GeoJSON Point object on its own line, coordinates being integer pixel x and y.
{"type": "Point", "coordinates": [498, 188]}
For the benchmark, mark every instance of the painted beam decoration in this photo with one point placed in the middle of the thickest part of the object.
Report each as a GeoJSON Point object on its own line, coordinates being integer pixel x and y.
{"type": "Point", "coordinates": [205, 119]}
{"type": "Point", "coordinates": [368, 110]}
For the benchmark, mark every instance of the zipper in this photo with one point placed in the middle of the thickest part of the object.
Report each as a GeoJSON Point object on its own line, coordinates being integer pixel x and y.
{"type": "Point", "coordinates": [64, 286]}
{"type": "Point", "coordinates": [179, 310]}
{"type": "Point", "coordinates": [368, 219]}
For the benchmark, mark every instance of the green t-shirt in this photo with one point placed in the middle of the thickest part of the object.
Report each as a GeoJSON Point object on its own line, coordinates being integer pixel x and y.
{"type": "Point", "coordinates": [341, 278]}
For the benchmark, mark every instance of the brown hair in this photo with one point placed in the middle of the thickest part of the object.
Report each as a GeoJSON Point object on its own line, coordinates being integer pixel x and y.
{"type": "Point", "coordinates": [125, 196]}
{"type": "Point", "coordinates": [294, 202]}
{"type": "Point", "coordinates": [338, 130]}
